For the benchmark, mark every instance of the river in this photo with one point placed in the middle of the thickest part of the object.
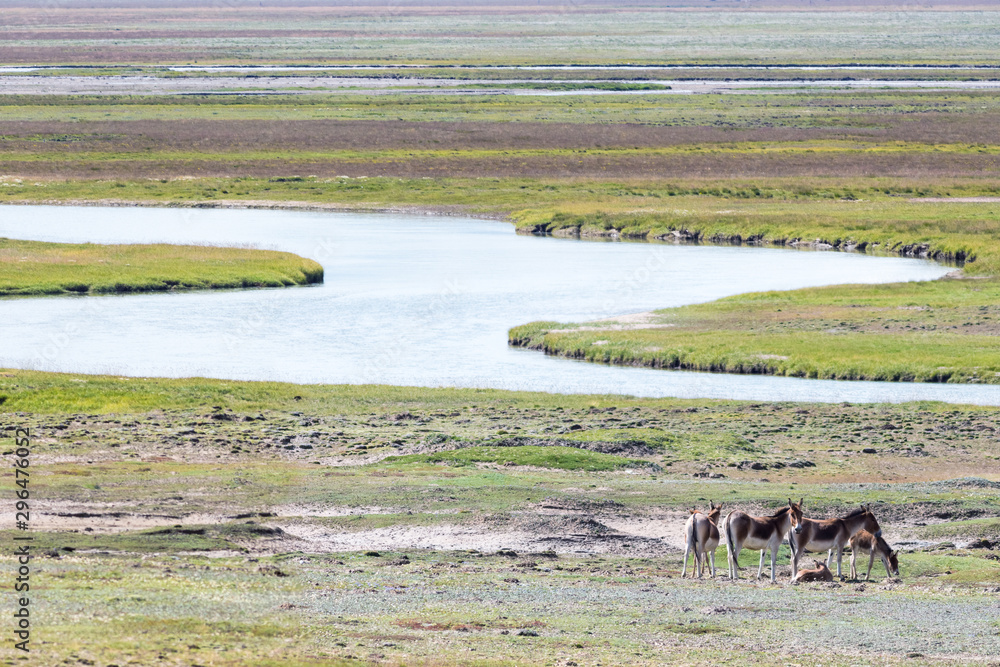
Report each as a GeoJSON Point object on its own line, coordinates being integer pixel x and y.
{"type": "Point", "coordinates": [415, 300]}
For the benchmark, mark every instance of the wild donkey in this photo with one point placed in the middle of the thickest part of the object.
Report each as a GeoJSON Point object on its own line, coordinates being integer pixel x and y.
{"type": "Point", "coordinates": [702, 537]}
{"type": "Point", "coordinates": [820, 572]}
{"type": "Point", "coordinates": [758, 533]}
{"type": "Point", "coordinates": [829, 534]}
{"type": "Point", "coordinates": [865, 542]}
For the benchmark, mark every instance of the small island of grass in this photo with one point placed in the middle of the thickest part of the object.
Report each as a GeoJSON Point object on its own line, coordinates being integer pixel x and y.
{"type": "Point", "coordinates": [32, 268]}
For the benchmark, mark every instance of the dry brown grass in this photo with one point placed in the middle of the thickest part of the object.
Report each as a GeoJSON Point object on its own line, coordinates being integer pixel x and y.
{"type": "Point", "coordinates": [452, 149]}
{"type": "Point", "coordinates": [621, 166]}
{"type": "Point", "coordinates": [318, 135]}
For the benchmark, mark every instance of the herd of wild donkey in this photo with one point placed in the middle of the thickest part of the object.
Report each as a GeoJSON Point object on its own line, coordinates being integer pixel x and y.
{"type": "Point", "coordinates": [860, 529]}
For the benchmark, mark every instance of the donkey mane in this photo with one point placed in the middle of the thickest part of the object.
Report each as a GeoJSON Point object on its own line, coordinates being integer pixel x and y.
{"type": "Point", "coordinates": [781, 511]}
{"type": "Point", "coordinates": [853, 513]}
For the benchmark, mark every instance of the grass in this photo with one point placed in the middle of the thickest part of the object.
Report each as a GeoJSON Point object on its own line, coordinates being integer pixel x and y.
{"type": "Point", "coordinates": [971, 528]}
{"type": "Point", "coordinates": [561, 458]}
{"type": "Point", "coordinates": [918, 332]}
{"type": "Point", "coordinates": [29, 268]}
{"type": "Point", "coordinates": [220, 589]}
{"type": "Point", "coordinates": [543, 36]}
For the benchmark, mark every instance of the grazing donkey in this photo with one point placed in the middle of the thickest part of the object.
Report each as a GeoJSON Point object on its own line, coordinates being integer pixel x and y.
{"type": "Point", "coordinates": [820, 573]}
{"type": "Point", "coordinates": [863, 542]}
{"type": "Point", "coordinates": [758, 533]}
{"type": "Point", "coordinates": [703, 538]}
{"type": "Point", "coordinates": [829, 534]}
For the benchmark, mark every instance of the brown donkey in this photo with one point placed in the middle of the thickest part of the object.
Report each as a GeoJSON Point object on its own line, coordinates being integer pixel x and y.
{"type": "Point", "coordinates": [702, 537]}
{"type": "Point", "coordinates": [865, 542]}
{"type": "Point", "coordinates": [758, 533]}
{"type": "Point", "coordinates": [829, 535]}
{"type": "Point", "coordinates": [820, 573]}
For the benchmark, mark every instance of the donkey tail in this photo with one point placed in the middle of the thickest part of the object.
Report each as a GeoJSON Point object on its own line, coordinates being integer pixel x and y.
{"type": "Point", "coordinates": [692, 546]}
{"type": "Point", "coordinates": [727, 532]}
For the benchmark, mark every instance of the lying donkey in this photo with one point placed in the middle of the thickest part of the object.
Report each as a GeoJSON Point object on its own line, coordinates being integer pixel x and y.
{"type": "Point", "coordinates": [702, 537]}
{"type": "Point", "coordinates": [820, 573]}
{"type": "Point", "coordinates": [865, 542]}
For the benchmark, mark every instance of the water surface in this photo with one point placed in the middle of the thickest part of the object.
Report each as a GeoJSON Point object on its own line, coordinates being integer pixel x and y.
{"type": "Point", "coordinates": [414, 300]}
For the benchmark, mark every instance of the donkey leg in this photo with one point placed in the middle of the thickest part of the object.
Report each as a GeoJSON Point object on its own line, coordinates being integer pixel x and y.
{"type": "Point", "coordinates": [760, 568]}
{"type": "Point", "coordinates": [871, 562]}
{"type": "Point", "coordinates": [711, 555]}
{"type": "Point", "coordinates": [854, 555]}
{"type": "Point", "coordinates": [840, 555]}
{"type": "Point", "coordinates": [794, 555]}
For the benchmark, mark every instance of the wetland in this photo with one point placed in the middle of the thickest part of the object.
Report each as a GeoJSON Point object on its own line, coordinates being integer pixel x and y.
{"type": "Point", "coordinates": [195, 521]}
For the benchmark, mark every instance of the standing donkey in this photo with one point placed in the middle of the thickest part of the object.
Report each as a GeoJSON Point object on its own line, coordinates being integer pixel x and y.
{"type": "Point", "coordinates": [702, 537]}
{"type": "Point", "coordinates": [829, 534]}
{"type": "Point", "coordinates": [758, 533]}
{"type": "Point", "coordinates": [863, 542]}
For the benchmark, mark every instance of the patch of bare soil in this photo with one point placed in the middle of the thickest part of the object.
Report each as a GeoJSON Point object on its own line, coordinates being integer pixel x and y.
{"type": "Point", "coordinates": [527, 532]}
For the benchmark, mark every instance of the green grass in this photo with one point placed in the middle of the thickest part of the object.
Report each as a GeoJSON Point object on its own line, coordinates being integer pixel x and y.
{"type": "Point", "coordinates": [940, 331]}
{"type": "Point", "coordinates": [561, 458]}
{"type": "Point", "coordinates": [36, 268]}
{"type": "Point", "coordinates": [972, 528]}
{"type": "Point", "coordinates": [674, 445]}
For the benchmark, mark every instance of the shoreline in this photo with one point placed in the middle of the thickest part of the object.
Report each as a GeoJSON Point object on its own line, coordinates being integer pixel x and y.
{"type": "Point", "coordinates": [454, 210]}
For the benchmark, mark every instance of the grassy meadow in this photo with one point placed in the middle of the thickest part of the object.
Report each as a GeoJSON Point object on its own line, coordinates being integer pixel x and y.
{"type": "Point", "coordinates": [32, 268]}
{"type": "Point", "coordinates": [187, 522]}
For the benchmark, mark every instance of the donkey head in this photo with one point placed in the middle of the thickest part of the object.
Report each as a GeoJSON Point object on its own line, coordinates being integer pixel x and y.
{"type": "Point", "coordinates": [894, 563]}
{"type": "Point", "coordinates": [795, 514]}
{"type": "Point", "coordinates": [716, 512]}
{"type": "Point", "coordinates": [871, 523]}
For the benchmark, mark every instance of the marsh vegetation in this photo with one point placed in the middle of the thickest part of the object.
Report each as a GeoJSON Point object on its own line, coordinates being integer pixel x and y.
{"type": "Point", "coordinates": [29, 268]}
{"type": "Point", "coordinates": [204, 521]}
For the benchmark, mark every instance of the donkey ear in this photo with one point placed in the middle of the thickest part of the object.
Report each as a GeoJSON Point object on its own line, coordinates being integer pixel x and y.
{"type": "Point", "coordinates": [802, 501]}
{"type": "Point", "coordinates": [711, 504]}
{"type": "Point", "coordinates": [693, 511]}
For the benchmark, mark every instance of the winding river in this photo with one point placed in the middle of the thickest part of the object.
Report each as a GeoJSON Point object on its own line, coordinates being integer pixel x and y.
{"type": "Point", "coordinates": [414, 300]}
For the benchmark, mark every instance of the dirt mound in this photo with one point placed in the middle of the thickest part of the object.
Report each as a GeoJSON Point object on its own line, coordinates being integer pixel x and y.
{"type": "Point", "coordinates": [555, 525]}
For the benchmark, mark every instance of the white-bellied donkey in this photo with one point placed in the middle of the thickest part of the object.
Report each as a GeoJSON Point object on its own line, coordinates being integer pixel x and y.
{"type": "Point", "coordinates": [865, 542]}
{"type": "Point", "coordinates": [758, 533]}
{"type": "Point", "coordinates": [701, 535]}
{"type": "Point", "coordinates": [829, 535]}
